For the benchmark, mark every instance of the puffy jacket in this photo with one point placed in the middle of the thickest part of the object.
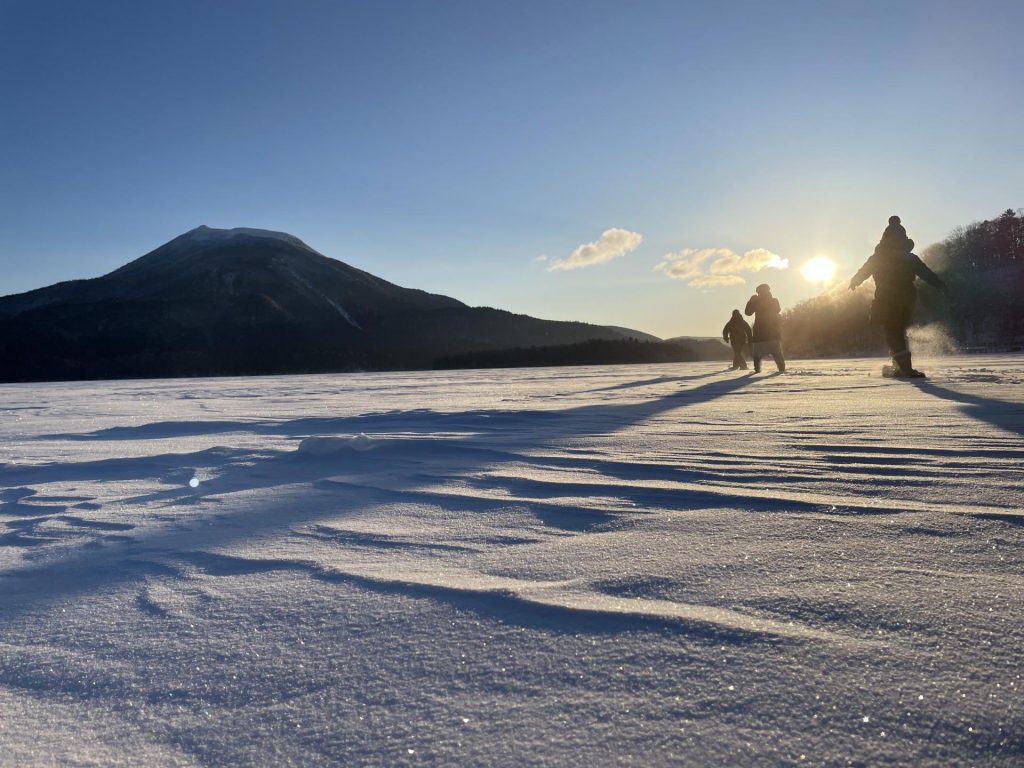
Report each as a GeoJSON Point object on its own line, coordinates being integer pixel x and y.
{"type": "Point", "coordinates": [767, 317]}
{"type": "Point", "coordinates": [895, 271]}
{"type": "Point", "coordinates": [737, 330]}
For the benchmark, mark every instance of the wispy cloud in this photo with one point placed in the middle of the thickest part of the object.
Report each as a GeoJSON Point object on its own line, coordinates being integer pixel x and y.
{"type": "Point", "coordinates": [751, 261]}
{"type": "Point", "coordinates": [689, 262]}
{"type": "Point", "coordinates": [725, 265]}
{"type": "Point", "coordinates": [613, 243]}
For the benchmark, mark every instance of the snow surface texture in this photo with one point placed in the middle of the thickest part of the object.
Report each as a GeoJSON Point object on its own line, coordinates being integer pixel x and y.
{"type": "Point", "coordinates": [649, 565]}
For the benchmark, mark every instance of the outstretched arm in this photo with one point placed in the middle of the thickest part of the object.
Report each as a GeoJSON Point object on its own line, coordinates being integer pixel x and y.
{"type": "Point", "coordinates": [862, 274]}
{"type": "Point", "coordinates": [921, 270]}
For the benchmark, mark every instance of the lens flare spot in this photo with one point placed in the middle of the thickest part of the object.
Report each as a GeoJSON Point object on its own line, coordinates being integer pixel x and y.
{"type": "Point", "coordinates": [820, 269]}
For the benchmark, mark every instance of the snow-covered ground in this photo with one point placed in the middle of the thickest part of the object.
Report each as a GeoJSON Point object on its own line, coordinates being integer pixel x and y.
{"type": "Point", "coordinates": [649, 565]}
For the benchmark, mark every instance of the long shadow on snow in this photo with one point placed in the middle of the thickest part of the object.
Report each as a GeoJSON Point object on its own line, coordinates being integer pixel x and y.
{"type": "Point", "coordinates": [420, 420]}
{"type": "Point", "coordinates": [651, 382]}
{"type": "Point", "coordinates": [539, 427]}
{"type": "Point", "coordinates": [266, 470]}
{"type": "Point", "coordinates": [999, 413]}
{"type": "Point", "coordinates": [84, 571]}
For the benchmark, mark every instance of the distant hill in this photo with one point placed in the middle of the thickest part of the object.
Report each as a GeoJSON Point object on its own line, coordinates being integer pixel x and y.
{"type": "Point", "coordinates": [248, 301]}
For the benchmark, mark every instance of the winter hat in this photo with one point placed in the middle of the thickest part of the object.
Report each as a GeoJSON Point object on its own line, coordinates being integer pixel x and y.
{"type": "Point", "coordinates": [895, 230]}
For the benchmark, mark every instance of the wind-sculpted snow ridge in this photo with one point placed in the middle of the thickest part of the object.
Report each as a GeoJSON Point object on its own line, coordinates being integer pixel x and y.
{"type": "Point", "coordinates": [645, 565]}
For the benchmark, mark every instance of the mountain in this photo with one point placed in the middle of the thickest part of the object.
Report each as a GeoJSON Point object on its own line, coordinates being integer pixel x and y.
{"type": "Point", "coordinates": [249, 301]}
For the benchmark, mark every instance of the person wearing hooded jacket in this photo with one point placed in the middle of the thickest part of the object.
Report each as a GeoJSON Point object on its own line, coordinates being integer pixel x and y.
{"type": "Point", "coordinates": [895, 267]}
{"type": "Point", "coordinates": [737, 334]}
{"type": "Point", "coordinates": [767, 333]}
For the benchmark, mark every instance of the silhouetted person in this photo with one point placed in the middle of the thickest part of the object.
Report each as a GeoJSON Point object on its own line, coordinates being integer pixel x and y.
{"type": "Point", "coordinates": [767, 335]}
{"type": "Point", "coordinates": [737, 333]}
{"type": "Point", "coordinates": [895, 267]}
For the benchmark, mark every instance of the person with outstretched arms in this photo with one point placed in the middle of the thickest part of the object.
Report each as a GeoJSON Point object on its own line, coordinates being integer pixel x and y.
{"type": "Point", "coordinates": [895, 267]}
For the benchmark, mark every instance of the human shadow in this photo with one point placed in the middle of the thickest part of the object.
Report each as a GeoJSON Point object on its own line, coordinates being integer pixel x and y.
{"type": "Point", "coordinates": [998, 413]}
{"type": "Point", "coordinates": [476, 421]}
{"type": "Point", "coordinates": [395, 466]}
{"type": "Point", "coordinates": [495, 436]}
{"type": "Point", "coordinates": [652, 382]}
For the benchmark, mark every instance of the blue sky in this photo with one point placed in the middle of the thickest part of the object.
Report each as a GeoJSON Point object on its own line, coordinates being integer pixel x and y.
{"type": "Point", "coordinates": [450, 145]}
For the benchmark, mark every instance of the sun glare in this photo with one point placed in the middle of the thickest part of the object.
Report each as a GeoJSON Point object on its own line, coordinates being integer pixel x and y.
{"type": "Point", "coordinates": [819, 270]}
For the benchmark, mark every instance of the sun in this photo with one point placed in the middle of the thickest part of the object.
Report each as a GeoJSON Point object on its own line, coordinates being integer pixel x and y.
{"type": "Point", "coordinates": [820, 269]}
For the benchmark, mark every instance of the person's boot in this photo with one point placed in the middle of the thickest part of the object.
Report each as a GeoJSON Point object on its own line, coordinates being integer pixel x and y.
{"type": "Point", "coordinates": [904, 367]}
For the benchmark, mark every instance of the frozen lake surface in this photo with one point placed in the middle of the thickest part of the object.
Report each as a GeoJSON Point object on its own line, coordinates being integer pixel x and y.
{"type": "Point", "coordinates": [646, 565]}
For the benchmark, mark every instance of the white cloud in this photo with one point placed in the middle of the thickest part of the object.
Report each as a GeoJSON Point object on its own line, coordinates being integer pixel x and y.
{"type": "Point", "coordinates": [716, 281]}
{"type": "Point", "coordinates": [688, 263]}
{"type": "Point", "coordinates": [725, 265]}
{"type": "Point", "coordinates": [613, 243]}
{"type": "Point", "coordinates": [751, 261]}
{"type": "Point", "coordinates": [679, 270]}
{"type": "Point", "coordinates": [539, 259]}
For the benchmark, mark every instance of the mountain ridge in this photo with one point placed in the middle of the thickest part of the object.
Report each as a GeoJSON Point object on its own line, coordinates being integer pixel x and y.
{"type": "Point", "coordinates": [250, 301]}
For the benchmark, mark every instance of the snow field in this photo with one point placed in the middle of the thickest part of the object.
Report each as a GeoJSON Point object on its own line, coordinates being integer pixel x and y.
{"type": "Point", "coordinates": [646, 565]}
